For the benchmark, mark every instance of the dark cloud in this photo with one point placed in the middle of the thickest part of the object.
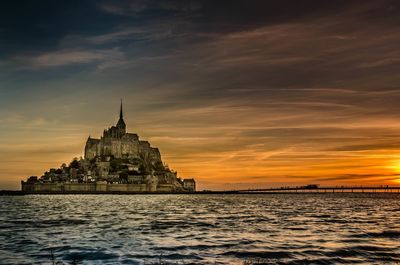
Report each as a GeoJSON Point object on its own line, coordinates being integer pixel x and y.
{"type": "Point", "coordinates": [149, 7]}
{"type": "Point", "coordinates": [27, 25]}
{"type": "Point", "coordinates": [376, 146]}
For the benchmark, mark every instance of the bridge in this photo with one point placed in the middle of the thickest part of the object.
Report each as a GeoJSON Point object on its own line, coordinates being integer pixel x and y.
{"type": "Point", "coordinates": [323, 189]}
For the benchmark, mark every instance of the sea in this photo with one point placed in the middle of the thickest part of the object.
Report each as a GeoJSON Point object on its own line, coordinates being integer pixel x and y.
{"type": "Point", "coordinates": [358, 228]}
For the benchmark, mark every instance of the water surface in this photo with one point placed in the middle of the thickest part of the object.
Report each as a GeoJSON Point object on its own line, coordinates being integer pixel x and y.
{"type": "Point", "coordinates": [200, 229]}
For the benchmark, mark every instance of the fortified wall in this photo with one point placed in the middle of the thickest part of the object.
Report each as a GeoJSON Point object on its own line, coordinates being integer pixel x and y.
{"type": "Point", "coordinates": [98, 187]}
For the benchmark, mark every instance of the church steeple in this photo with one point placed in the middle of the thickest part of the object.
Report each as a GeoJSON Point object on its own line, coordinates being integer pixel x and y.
{"type": "Point", "coordinates": [121, 115]}
{"type": "Point", "coordinates": [121, 123]}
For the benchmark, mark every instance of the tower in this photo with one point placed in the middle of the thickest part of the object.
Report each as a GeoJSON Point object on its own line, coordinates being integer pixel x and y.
{"type": "Point", "coordinates": [91, 148]}
{"type": "Point", "coordinates": [121, 123]}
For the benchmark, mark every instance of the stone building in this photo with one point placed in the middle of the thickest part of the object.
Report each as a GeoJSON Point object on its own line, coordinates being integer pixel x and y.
{"type": "Point", "coordinates": [189, 184]}
{"type": "Point", "coordinates": [118, 143]}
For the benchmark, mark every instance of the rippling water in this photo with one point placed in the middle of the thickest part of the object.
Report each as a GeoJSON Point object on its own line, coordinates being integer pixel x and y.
{"type": "Point", "coordinates": [200, 229]}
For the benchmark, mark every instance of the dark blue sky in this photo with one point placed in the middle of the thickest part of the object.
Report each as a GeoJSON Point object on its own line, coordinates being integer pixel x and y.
{"type": "Point", "coordinates": [233, 92]}
{"type": "Point", "coordinates": [30, 26]}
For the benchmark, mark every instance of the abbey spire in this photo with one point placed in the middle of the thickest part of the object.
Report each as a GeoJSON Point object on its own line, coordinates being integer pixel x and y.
{"type": "Point", "coordinates": [121, 123]}
{"type": "Point", "coordinates": [121, 115]}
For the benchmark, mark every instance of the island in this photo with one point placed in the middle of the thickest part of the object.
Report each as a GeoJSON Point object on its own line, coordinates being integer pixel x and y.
{"type": "Point", "coordinates": [117, 162]}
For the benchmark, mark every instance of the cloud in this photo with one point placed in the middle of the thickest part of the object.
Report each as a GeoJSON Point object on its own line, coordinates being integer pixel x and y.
{"type": "Point", "coordinates": [10, 119]}
{"type": "Point", "coordinates": [135, 7]}
{"type": "Point", "coordinates": [382, 62]}
{"type": "Point", "coordinates": [156, 32]}
{"type": "Point", "coordinates": [69, 57]}
{"type": "Point", "coordinates": [116, 36]}
{"type": "Point", "coordinates": [393, 144]}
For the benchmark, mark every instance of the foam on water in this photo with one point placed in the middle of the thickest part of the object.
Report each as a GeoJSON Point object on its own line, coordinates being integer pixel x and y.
{"type": "Point", "coordinates": [200, 229]}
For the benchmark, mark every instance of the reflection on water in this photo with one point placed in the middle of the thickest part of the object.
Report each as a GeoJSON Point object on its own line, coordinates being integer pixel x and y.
{"type": "Point", "coordinates": [200, 229]}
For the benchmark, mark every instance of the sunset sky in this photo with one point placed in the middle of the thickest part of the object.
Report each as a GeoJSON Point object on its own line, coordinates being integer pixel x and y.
{"type": "Point", "coordinates": [236, 94]}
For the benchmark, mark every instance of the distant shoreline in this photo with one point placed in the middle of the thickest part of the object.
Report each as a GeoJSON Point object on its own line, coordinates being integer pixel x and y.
{"type": "Point", "coordinates": [22, 193]}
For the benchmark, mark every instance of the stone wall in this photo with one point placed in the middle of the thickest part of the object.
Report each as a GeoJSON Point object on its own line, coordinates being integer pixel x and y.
{"type": "Point", "coordinates": [129, 147]}
{"type": "Point", "coordinates": [99, 187]}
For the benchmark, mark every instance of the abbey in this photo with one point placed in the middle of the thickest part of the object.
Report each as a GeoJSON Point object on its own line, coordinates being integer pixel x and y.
{"type": "Point", "coordinates": [117, 143]}
{"type": "Point", "coordinates": [117, 162]}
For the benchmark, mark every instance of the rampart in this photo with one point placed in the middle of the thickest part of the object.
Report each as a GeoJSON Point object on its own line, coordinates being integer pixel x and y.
{"type": "Point", "coordinates": [98, 187]}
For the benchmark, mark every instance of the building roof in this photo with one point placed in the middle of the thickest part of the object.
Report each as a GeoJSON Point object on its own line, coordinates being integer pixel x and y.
{"type": "Point", "coordinates": [189, 180]}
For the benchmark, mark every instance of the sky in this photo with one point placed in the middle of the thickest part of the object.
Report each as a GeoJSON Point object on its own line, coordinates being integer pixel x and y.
{"type": "Point", "coordinates": [236, 94]}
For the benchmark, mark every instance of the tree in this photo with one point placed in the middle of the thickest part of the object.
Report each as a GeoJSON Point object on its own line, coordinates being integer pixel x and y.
{"type": "Point", "coordinates": [146, 166]}
{"type": "Point", "coordinates": [159, 167]}
{"type": "Point", "coordinates": [123, 177]}
{"type": "Point", "coordinates": [74, 163]}
{"type": "Point", "coordinates": [115, 165]}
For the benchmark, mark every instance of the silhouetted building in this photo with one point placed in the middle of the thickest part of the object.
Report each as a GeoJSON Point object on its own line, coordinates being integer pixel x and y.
{"type": "Point", "coordinates": [189, 184]}
{"type": "Point", "coordinates": [116, 142]}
